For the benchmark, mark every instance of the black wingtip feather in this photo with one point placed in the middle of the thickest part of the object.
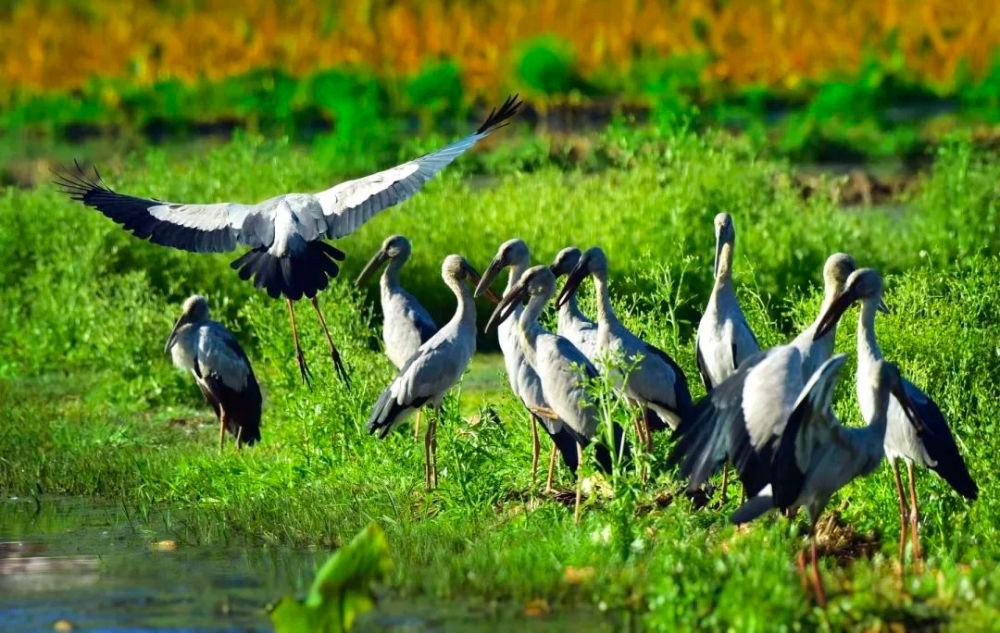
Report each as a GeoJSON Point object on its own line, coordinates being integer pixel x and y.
{"type": "Point", "coordinates": [500, 116]}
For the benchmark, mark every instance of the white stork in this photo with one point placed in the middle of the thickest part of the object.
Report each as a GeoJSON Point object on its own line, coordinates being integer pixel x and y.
{"type": "Point", "coordinates": [286, 234]}
{"type": "Point", "coordinates": [220, 368]}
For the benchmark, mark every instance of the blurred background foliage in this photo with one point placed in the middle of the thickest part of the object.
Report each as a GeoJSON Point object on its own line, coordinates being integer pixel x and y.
{"type": "Point", "coordinates": [816, 79]}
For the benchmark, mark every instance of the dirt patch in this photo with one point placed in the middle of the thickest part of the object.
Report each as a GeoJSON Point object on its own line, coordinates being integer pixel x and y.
{"type": "Point", "coordinates": [840, 540]}
{"type": "Point", "coordinates": [856, 187]}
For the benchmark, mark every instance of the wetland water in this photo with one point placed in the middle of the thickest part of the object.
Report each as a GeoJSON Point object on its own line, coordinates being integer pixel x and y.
{"type": "Point", "coordinates": [85, 562]}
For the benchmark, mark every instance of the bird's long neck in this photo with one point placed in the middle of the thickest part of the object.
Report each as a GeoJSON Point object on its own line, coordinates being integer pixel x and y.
{"type": "Point", "coordinates": [465, 312]}
{"type": "Point", "coordinates": [724, 269]}
{"type": "Point", "coordinates": [528, 327]}
{"type": "Point", "coordinates": [867, 343]}
{"type": "Point", "coordinates": [517, 269]}
{"type": "Point", "coordinates": [879, 419]}
{"type": "Point", "coordinates": [390, 276]}
{"type": "Point", "coordinates": [605, 313]}
{"type": "Point", "coordinates": [868, 355]}
{"type": "Point", "coordinates": [570, 312]}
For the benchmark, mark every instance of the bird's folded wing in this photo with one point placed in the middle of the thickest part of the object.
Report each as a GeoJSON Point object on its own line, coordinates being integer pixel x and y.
{"type": "Point", "coordinates": [350, 204]}
{"type": "Point", "coordinates": [220, 354]}
{"type": "Point", "coordinates": [201, 228]}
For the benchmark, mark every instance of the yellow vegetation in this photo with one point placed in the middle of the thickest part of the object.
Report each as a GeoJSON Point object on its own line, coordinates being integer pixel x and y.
{"type": "Point", "coordinates": [58, 45]}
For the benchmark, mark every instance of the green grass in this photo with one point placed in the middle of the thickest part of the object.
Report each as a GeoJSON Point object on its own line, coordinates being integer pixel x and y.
{"type": "Point", "coordinates": [91, 406]}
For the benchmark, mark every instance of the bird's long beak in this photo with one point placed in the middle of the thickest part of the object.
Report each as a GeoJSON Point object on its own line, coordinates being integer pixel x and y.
{"type": "Point", "coordinates": [373, 264]}
{"type": "Point", "coordinates": [491, 273]}
{"type": "Point", "coordinates": [507, 306]}
{"type": "Point", "coordinates": [173, 333]}
{"type": "Point", "coordinates": [881, 307]}
{"type": "Point", "coordinates": [477, 279]}
{"type": "Point", "coordinates": [573, 282]}
{"type": "Point", "coordinates": [718, 252]}
{"type": "Point", "coordinates": [832, 315]}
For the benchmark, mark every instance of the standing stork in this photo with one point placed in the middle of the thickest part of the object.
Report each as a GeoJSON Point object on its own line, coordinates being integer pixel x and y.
{"type": "Point", "coordinates": [562, 368]}
{"type": "Point", "coordinates": [655, 382]}
{"type": "Point", "coordinates": [434, 368]}
{"type": "Point", "coordinates": [926, 441]}
{"type": "Point", "coordinates": [724, 339]}
{"type": "Point", "coordinates": [524, 380]}
{"type": "Point", "coordinates": [573, 324]}
{"type": "Point", "coordinates": [817, 455]}
{"type": "Point", "coordinates": [743, 417]}
{"type": "Point", "coordinates": [288, 257]}
{"type": "Point", "coordinates": [220, 368]}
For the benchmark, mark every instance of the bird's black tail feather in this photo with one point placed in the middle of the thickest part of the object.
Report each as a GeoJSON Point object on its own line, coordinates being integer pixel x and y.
{"type": "Point", "coordinates": [294, 276]}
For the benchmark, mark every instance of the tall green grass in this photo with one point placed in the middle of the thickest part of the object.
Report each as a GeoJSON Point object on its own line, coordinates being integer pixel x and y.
{"type": "Point", "coordinates": [89, 405]}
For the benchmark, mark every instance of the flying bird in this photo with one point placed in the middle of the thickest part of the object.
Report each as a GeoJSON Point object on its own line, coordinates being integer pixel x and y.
{"type": "Point", "coordinates": [220, 368]}
{"type": "Point", "coordinates": [925, 441]}
{"type": "Point", "coordinates": [288, 256]}
{"type": "Point", "coordinates": [435, 368]}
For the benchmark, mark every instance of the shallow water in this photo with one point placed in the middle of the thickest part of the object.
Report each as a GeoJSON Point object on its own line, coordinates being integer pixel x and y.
{"type": "Point", "coordinates": [88, 563]}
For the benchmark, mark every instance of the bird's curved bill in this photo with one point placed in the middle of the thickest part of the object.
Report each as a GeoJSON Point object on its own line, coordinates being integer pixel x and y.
{"type": "Point", "coordinates": [491, 273]}
{"type": "Point", "coordinates": [832, 315]}
{"type": "Point", "coordinates": [882, 307]}
{"type": "Point", "coordinates": [573, 282]}
{"type": "Point", "coordinates": [718, 252]}
{"type": "Point", "coordinates": [373, 264]}
{"type": "Point", "coordinates": [506, 307]}
{"type": "Point", "coordinates": [173, 334]}
{"type": "Point", "coordinates": [477, 279]}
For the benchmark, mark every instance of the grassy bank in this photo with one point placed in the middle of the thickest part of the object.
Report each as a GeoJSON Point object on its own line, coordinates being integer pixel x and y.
{"type": "Point", "coordinates": [91, 405]}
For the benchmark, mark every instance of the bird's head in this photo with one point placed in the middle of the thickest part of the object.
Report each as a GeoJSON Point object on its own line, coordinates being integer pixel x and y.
{"type": "Point", "coordinates": [395, 247]}
{"type": "Point", "coordinates": [194, 310]}
{"type": "Point", "coordinates": [864, 284]}
{"type": "Point", "coordinates": [512, 252]}
{"type": "Point", "coordinates": [537, 281]}
{"type": "Point", "coordinates": [592, 262]}
{"type": "Point", "coordinates": [565, 261]}
{"type": "Point", "coordinates": [725, 236]}
{"type": "Point", "coordinates": [836, 270]}
{"type": "Point", "coordinates": [457, 269]}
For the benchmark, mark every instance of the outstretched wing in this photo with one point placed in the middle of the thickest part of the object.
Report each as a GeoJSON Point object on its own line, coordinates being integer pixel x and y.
{"type": "Point", "coordinates": [350, 204]}
{"type": "Point", "coordinates": [201, 228]}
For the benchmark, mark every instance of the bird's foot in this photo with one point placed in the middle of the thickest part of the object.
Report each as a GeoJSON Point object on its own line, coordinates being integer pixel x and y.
{"type": "Point", "coordinates": [304, 368]}
{"type": "Point", "coordinates": [545, 412]}
{"type": "Point", "coordinates": [338, 364]}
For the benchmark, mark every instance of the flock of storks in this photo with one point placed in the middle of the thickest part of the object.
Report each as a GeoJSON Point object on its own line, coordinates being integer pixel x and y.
{"type": "Point", "coordinates": [768, 413]}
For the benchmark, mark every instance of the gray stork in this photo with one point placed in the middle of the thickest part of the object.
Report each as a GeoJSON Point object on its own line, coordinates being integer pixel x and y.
{"type": "Point", "coordinates": [817, 455]}
{"type": "Point", "coordinates": [406, 325]}
{"type": "Point", "coordinates": [562, 368]}
{"type": "Point", "coordinates": [220, 368]}
{"type": "Point", "coordinates": [724, 339]}
{"type": "Point", "coordinates": [573, 324]}
{"type": "Point", "coordinates": [524, 380]}
{"type": "Point", "coordinates": [655, 381]}
{"type": "Point", "coordinates": [286, 234]}
{"type": "Point", "coordinates": [742, 417]}
{"type": "Point", "coordinates": [926, 441]}
{"type": "Point", "coordinates": [435, 368]}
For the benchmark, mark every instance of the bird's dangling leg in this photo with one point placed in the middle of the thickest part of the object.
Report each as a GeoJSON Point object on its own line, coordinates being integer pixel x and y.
{"type": "Point", "coordinates": [816, 577]}
{"type": "Point", "coordinates": [303, 367]}
{"type": "Point", "coordinates": [427, 457]}
{"type": "Point", "coordinates": [416, 425]}
{"type": "Point", "coordinates": [552, 469]}
{"type": "Point", "coordinates": [800, 564]}
{"type": "Point", "coordinates": [222, 433]}
{"type": "Point", "coordinates": [914, 516]}
{"type": "Point", "coordinates": [239, 438]}
{"type": "Point", "coordinates": [535, 449]}
{"type": "Point", "coordinates": [434, 450]}
{"type": "Point", "coordinates": [579, 483]}
{"type": "Point", "coordinates": [902, 515]}
{"type": "Point", "coordinates": [337, 362]}
{"type": "Point", "coordinates": [725, 482]}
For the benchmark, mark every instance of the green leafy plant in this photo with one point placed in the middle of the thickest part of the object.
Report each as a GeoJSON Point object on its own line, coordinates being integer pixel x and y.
{"type": "Point", "coordinates": [342, 589]}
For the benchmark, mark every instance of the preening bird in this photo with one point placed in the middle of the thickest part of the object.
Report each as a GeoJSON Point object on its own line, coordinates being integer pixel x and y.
{"type": "Point", "coordinates": [220, 368]}
{"type": "Point", "coordinates": [406, 325]}
{"type": "Point", "coordinates": [817, 455]}
{"type": "Point", "coordinates": [924, 440]}
{"type": "Point", "coordinates": [524, 380]}
{"type": "Point", "coordinates": [561, 367]}
{"type": "Point", "coordinates": [655, 381]}
{"type": "Point", "coordinates": [743, 417]}
{"type": "Point", "coordinates": [289, 257]}
{"type": "Point", "coordinates": [724, 338]}
{"type": "Point", "coordinates": [573, 323]}
{"type": "Point", "coordinates": [435, 368]}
